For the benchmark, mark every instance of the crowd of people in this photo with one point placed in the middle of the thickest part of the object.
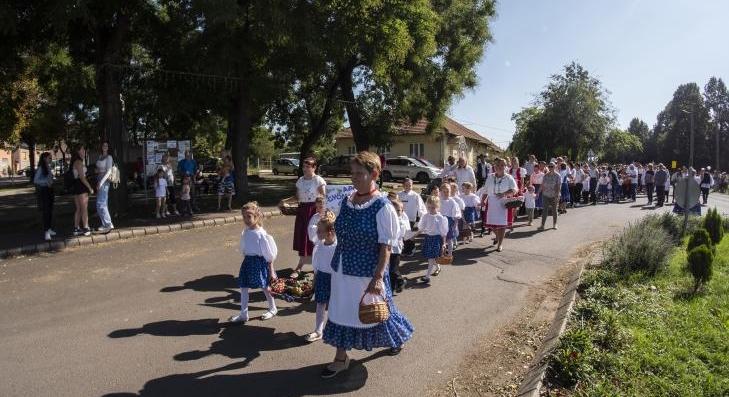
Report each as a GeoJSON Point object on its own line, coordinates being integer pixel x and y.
{"type": "Point", "coordinates": [355, 246]}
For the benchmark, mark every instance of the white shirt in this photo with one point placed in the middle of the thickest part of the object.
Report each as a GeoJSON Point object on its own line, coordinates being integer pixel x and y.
{"type": "Point", "coordinates": [448, 170]}
{"type": "Point", "coordinates": [413, 204]}
{"type": "Point", "coordinates": [449, 208]}
{"type": "Point", "coordinates": [169, 174]}
{"type": "Point", "coordinates": [433, 225]}
{"type": "Point", "coordinates": [103, 166]}
{"type": "Point", "coordinates": [530, 199]}
{"type": "Point", "coordinates": [463, 175]}
{"type": "Point", "coordinates": [461, 203]}
{"type": "Point", "coordinates": [311, 229]}
{"type": "Point", "coordinates": [402, 233]}
{"type": "Point", "coordinates": [633, 174]}
{"type": "Point", "coordinates": [495, 185]}
{"type": "Point", "coordinates": [257, 242]}
{"type": "Point", "coordinates": [321, 257]}
{"type": "Point", "coordinates": [308, 189]}
{"type": "Point", "coordinates": [471, 200]}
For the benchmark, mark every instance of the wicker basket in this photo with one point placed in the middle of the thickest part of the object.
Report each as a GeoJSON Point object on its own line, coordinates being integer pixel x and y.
{"type": "Point", "coordinates": [444, 260]}
{"type": "Point", "coordinates": [513, 202]}
{"type": "Point", "coordinates": [289, 206]}
{"type": "Point", "coordinates": [373, 313]}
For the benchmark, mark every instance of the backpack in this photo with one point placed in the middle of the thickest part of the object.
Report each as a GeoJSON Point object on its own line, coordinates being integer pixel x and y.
{"type": "Point", "coordinates": [114, 177]}
{"type": "Point", "coordinates": [68, 179]}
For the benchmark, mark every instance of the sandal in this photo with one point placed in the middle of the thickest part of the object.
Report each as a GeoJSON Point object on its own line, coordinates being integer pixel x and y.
{"type": "Point", "coordinates": [436, 272]}
{"type": "Point", "coordinates": [334, 368]}
{"type": "Point", "coordinates": [268, 315]}
{"type": "Point", "coordinates": [313, 337]}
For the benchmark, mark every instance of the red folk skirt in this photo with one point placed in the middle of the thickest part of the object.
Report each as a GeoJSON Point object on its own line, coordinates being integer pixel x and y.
{"type": "Point", "coordinates": [302, 244]}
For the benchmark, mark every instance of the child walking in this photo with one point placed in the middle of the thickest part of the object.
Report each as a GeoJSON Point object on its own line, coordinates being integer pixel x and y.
{"type": "Point", "coordinates": [530, 203]}
{"type": "Point", "coordinates": [460, 225]}
{"type": "Point", "coordinates": [472, 204]}
{"type": "Point", "coordinates": [160, 193]}
{"type": "Point", "coordinates": [450, 209]}
{"type": "Point", "coordinates": [321, 259]}
{"type": "Point", "coordinates": [185, 204]}
{"type": "Point", "coordinates": [397, 282]}
{"type": "Point", "coordinates": [314, 221]}
{"type": "Point", "coordinates": [225, 186]}
{"type": "Point", "coordinates": [435, 227]}
{"type": "Point", "coordinates": [259, 251]}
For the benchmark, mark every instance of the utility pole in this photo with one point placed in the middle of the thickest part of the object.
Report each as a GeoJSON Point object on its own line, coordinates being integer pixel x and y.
{"type": "Point", "coordinates": [691, 158]}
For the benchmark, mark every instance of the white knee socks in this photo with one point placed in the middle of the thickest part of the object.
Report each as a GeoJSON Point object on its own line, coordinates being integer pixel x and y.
{"type": "Point", "coordinates": [271, 302]}
{"type": "Point", "coordinates": [244, 302]}
{"type": "Point", "coordinates": [431, 267]}
{"type": "Point", "coordinates": [450, 247]}
{"type": "Point", "coordinates": [321, 317]}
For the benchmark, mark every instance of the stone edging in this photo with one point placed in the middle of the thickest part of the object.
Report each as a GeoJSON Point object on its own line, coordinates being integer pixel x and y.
{"type": "Point", "coordinates": [124, 234]}
{"type": "Point", "coordinates": [532, 383]}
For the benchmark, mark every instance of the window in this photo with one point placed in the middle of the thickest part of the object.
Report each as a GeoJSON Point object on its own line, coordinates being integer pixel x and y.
{"type": "Point", "coordinates": [384, 149]}
{"type": "Point", "coordinates": [351, 150]}
{"type": "Point", "coordinates": [417, 150]}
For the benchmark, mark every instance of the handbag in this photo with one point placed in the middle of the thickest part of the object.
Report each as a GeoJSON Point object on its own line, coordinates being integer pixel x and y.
{"type": "Point", "coordinates": [375, 312]}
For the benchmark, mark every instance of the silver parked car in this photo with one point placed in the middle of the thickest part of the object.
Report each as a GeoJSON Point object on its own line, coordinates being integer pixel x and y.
{"type": "Point", "coordinates": [286, 166]}
{"type": "Point", "coordinates": [402, 167]}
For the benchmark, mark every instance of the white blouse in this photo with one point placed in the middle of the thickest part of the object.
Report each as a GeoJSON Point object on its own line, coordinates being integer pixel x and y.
{"type": "Point", "coordinates": [495, 185]}
{"type": "Point", "coordinates": [387, 219]}
{"type": "Point", "coordinates": [321, 258]}
{"type": "Point", "coordinates": [257, 242]}
{"type": "Point", "coordinates": [461, 204]}
{"type": "Point", "coordinates": [402, 233]}
{"type": "Point", "coordinates": [413, 204]}
{"type": "Point", "coordinates": [471, 200]}
{"type": "Point", "coordinates": [308, 189]}
{"type": "Point", "coordinates": [311, 229]}
{"type": "Point", "coordinates": [450, 208]}
{"type": "Point", "coordinates": [433, 225]}
{"type": "Point", "coordinates": [465, 174]}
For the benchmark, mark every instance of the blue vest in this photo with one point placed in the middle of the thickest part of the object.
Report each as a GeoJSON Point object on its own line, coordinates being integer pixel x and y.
{"type": "Point", "coordinates": [357, 239]}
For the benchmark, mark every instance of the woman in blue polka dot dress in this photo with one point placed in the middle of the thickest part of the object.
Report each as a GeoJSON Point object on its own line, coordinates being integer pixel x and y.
{"type": "Point", "coordinates": [366, 228]}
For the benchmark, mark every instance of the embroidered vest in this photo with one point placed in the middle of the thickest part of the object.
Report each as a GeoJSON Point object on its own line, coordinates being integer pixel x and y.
{"type": "Point", "coordinates": [357, 239]}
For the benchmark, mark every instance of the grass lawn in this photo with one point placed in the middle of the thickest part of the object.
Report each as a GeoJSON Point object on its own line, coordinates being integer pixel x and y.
{"type": "Point", "coordinates": [641, 336]}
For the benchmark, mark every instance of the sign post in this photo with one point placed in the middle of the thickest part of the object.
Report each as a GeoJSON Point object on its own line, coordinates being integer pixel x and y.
{"type": "Point", "coordinates": [687, 193]}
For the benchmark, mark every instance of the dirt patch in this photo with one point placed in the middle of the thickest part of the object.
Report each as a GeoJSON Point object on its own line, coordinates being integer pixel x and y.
{"type": "Point", "coordinates": [501, 358]}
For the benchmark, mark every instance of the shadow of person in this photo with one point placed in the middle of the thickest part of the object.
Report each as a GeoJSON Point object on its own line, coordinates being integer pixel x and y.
{"type": "Point", "coordinates": [205, 326]}
{"type": "Point", "coordinates": [524, 233]}
{"type": "Point", "coordinates": [246, 342]}
{"type": "Point", "coordinates": [212, 283]}
{"type": "Point", "coordinates": [280, 383]}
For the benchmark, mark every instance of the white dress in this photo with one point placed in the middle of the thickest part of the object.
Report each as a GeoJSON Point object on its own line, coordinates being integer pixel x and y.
{"type": "Point", "coordinates": [308, 189]}
{"type": "Point", "coordinates": [497, 213]}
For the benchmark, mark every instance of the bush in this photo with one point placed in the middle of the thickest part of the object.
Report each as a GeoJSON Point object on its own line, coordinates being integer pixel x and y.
{"type": "Point", "coordinates": [570, 362]}
{"type": "Point", "coordinates": [714, 225]}
{"type": "Point", "coordinates": [698, 238]}
{"type": "Point", "coordinates": [700, 261]}
{"type": "Point", "coordinates": [670, 223]}
{"type": "Point", "coordinates": [641, 247]}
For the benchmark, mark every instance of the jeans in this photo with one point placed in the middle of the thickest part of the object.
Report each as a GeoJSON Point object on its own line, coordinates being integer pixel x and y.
{"type": "Point", "coordinates": [102, 205]}
{"type": "Point", "coordinates": [593, 190]}
{"type": "Point", "coordinates": [649, 191]}
{"type": "Point", "coordinates": [705, 194]}
{"type": "Point", "coordinates": [633, 190]}
{"type": "Point", "coordinates": [45, 203]}
{"type": "Point", "coordinates": [660, 195]}
{"type": "Point", "coordinates": [550, 204]}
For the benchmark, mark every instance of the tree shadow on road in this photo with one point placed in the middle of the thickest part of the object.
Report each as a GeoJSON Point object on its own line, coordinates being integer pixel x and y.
{"type": "Point", "coordinates": [288, 382]}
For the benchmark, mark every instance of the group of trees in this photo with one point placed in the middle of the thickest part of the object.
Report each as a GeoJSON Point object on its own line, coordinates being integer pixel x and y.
{"type": "Point", "coordinates": [573, 115]}
{"type": "Point", "coordinates": [240, 74]}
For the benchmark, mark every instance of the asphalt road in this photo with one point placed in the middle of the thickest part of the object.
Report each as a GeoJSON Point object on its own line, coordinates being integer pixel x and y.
{"type": "Point", "coordinates": [147, 317]}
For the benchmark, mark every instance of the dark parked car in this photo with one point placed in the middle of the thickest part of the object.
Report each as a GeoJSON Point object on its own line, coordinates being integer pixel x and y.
{"type": "Point", "coordinates": [336, 166]}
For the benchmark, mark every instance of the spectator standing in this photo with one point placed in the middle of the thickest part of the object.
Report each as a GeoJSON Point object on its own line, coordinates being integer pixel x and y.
{"type": "Point", "coordinates": [43, 181]}
{"type": "Point", "coordinates": [104, 165]}
{"type": "Point", "coordinates": [551, 189]}
{"type": "Point", "coordinates": [649, 180]}
{"type": "Point", "coordinates": [81, 189]}
{"type": "Point", "coordinates": [188, 166]}
{"type": "Point", "coordinates": [171, 191]}
{"type": "Point", "coordinates": [707, 181]}
{"type": "Point", "coordinates": [464, 173]}
{"type": "Point", "coordinates": [308, 187]}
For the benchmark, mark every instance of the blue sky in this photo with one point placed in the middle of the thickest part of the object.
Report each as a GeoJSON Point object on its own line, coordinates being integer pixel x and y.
{"type": "Point", "coordinates": [641, 50]}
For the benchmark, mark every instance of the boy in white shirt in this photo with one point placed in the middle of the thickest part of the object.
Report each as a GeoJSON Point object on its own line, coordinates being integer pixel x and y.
{"type": "Point", "coordinates": [414, 208]}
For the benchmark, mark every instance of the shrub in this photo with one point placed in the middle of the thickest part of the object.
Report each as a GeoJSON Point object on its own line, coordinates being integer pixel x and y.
{"type": "Point", "coordinates": [698, 238]}
{"type": "Point", "coordinates": [670, 223]}
{"type": "Point", "coordinates": [700, 261]}
{"type": "Point", "coordinates": [570, 362]}
{"type": "Point", "coordinates": [714, 225]}
{"type": "Point", "coordinates": [641, 247]}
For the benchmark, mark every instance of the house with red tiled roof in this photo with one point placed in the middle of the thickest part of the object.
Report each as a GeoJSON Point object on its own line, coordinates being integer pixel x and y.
{"type": "Point", "coordinates": [451, 139]}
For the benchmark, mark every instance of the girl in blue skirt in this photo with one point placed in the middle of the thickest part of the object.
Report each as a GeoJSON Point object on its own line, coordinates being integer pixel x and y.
{"type": "Point", "coordinates": [259, 251]}
{"type": "Point", "coordinates": [450, 209]}
{"type": "Point", "coordinates": [326, 244]}
{"type": "Point", "coordinates": [435, 227]}
{"type": "Point", "coordinates": [472, 207]}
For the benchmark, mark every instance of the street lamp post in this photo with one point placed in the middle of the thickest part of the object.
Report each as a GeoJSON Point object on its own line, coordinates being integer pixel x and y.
{"type": "Point", "coordinates": [691, 136]}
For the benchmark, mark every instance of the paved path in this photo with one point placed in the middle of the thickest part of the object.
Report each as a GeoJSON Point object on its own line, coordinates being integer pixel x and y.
{"type": "Point", "coordinates": [147, 317]}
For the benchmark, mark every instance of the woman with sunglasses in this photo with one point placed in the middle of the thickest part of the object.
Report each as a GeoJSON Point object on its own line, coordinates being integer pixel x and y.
{"type": "Point", "coordinates": [308, 187]}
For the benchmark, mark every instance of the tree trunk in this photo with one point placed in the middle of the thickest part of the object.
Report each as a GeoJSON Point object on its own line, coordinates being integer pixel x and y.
{"type": "Point", "coordinates": [111, 41]}
{"type": "Point", "coordinates": [240, 124]}
{"type": "Point", "coordinates": [318, 125]}
{"type": "Point", "coordinates": [359, 132]}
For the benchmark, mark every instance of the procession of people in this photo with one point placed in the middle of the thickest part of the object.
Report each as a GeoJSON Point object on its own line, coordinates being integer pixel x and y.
{"type": "Point", "coordinates": [355, 245]}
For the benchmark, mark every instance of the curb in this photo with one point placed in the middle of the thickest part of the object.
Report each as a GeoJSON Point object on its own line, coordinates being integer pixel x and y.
{"type": "Point", "coordinates": [531, 386]}
{"type": "Point", "coordinates": [125, 234]}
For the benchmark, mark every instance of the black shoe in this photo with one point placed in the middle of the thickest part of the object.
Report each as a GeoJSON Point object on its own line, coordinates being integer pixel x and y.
{"type": "Point", "coordinates": [86, 231]}
{"type": "Point", "coordinates": [77, 231]}
{"type": "Point", "coordinates": [394, 351]}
